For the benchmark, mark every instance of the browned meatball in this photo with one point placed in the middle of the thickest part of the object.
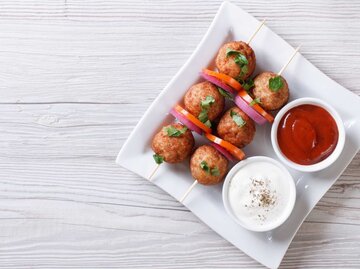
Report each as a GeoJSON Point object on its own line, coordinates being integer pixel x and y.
{"type": "Point", "coordinates": [208, 166]}
{"type": "Point", "coordinates": [270, 99]}
{"type": "Point", "coordinates": [198, 93]}
{"type": "Point", "coordinates": [225, 62]}
{"type": "Point", "coordinates": [173, 149]}
{"type": "Point", "coordinates": [236, 127]}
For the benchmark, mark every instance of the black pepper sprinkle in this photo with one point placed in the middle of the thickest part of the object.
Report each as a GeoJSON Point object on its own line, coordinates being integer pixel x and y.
{"type": "Point", "coordinates": [262, 195]}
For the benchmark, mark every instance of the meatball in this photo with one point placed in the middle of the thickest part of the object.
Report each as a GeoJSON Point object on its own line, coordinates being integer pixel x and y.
{"type": "Point", "coordinates": [271, 99]}
{"type": "Point", "coordinates": [173, 149]}
{"type": "Point", "coordinates": [230, 63]}
{"type": "Point", "coordinates": [208, 166]}
{"type": "Point", "coordinates": [236, 127]}
{"type": "Point", "coordinates": [204, 95]}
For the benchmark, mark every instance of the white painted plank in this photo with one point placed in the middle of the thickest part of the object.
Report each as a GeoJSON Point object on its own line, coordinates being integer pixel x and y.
{"type": "Point", "coordinates": [105, 51]}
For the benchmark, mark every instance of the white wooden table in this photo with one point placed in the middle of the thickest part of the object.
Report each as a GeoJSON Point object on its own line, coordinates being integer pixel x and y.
{"type": "Point", "coordinates": [75, 78]}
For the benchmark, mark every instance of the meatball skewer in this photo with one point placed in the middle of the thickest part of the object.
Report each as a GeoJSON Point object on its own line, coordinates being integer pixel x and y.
{"type": "Point", "coordinates": [236, 127]}
{"type": "Point", "coordinates": [208, 164]}
{"type": "Point", "coordinates": [262, 98]}
{"type": "Point", "coordinates": [203, 103]}
{"type": "Point", "coordinates": [237, 59]}
{"type": "Point", "coordinates": [165, 145]}
{"type": "Point", "coordinates": [271, 90]}
{"type": "Point", "coordinates": [217, 82]}
{"type": "Point", "coordinates": [172, 144]}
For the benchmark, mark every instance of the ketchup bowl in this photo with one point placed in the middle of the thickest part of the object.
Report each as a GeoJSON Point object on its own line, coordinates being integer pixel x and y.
{"type": "Point", "coordinates": [308, 134]}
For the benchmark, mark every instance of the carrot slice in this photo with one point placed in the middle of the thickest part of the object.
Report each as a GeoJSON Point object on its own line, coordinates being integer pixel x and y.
{"type": "Point", "coordinates": [225, 78]}
{"type": "Point", "coordinates": [236, 152]}
{"type": "Point", "coordinates": [241, 92]}
{"type": "Point", "coordinates": [193, 119]}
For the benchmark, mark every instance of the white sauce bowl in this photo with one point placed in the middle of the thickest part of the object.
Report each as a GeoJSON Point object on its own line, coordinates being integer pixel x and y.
{"type": "Point", "coordinates": [322, 164]}
{"type": "Point", "coordinates": [287, 187]}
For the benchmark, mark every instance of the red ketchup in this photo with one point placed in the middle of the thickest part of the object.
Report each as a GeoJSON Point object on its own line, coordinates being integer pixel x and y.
{"type": "Point", "coordinates": [307, 134]}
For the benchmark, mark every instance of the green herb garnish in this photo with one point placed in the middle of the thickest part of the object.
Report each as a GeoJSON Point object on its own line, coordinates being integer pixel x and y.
{"type": "Point", "coordinates": [203, 116]}
{"type": "Point", "coordinates": [172, 131]}
{"type": "Point", "coordinates": [247, 84]}
{"type": "Point", "coordinates": [158, 159]}
{"type": "Point", "coordinates": [276, 83]}
{"type": "Point", "coordinates": [205, 105]}
{"type": "Point", "coordinates": [237, 118]}
{"type": "Point", "coordinates": [209, 100]}
{"type": "Point", "coordinates": [226, 94]}
{"type": "Point", "coordinates": [212, 171]}
{"type": "Point", "coordinates": [255, 101]}
{"type": "Point", "coordinates": [240, 60]}
{"type": "Point", "coordinates": [215, 171]}
{"type": "Point", "coordinates": [204, 166]}
{"type": "Point", "coordinates": [208, 123]}
{"type": "Point", "coordinates": [244, 70]}
{"type": "Point", "coordinates": [230, 52]}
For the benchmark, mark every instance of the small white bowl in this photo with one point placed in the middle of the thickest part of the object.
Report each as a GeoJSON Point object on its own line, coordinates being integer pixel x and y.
{"type": "Point", "coordinates": [289, 205]}
{"type": "Point", "coordinates": [324, 163]}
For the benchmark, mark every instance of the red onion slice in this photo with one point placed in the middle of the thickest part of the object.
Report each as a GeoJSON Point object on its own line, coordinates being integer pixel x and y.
{"type": "Point", "coordinates": [244, 106]}
{"type": "Point", "coordinates": [185, 121]}
{"type": "Point", "coordinates": [218, 83]}
{"type": "Point", "coordinates": [224, 152]}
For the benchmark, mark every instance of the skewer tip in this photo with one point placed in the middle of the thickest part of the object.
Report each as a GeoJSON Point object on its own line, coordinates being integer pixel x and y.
{"type": "Point", "coordinates": [298, 47]}
{"type": "Point", "coordinates": [153, 173]}
{"type": "Point", "coordinates": [256, 31]}
{"type": "Point", "coordinates": [290, 59]}
{"type": "Point", "coordinates": [188, 191]}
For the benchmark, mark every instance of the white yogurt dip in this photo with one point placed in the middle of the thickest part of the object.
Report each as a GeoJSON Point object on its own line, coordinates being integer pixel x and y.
{"type": "Point", "coordinates": [260, 193]}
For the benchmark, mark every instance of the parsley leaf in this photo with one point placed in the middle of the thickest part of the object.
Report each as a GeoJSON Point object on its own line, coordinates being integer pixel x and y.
{"type": "Point", "coordinates": [203, 116]}
{"type": "Point", "coordinates": [240, 59]}
{"type": "Point", "coordinates": [205, 105]}
{"type": "Point", "coordinates": [208, 123]}
{"type": "Point", "coordinates": [276, 83]}
{"type": "Point", "coordinates": [209, 100]}
{"type": "Point", "coordinates": [237, 119]}
{"type": "Point", "coordinates": [244, 70]}
{"type": "Point", "coordinates": [158, 159]}
{"type": "Point", "coordinates": [225, 94]}
{"type": "Point", "coordinates": [255, 101]}
{"type": "Point", "coordinates": [246, 84]}
{"type": "Point", "coordinates": [204, 166]}
{"type": "Point", "coordinates": [215, 171]}
{"type": "Point", "coordinates": [230, 52]}
{"type": "Point", "coordinates": [212, 171]}
{"type": "Point", "coordinates": [172, 131]}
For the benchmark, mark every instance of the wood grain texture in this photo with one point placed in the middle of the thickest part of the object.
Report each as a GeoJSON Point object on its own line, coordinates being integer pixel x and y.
{"type": "Point", "coordinates": [76, 76]}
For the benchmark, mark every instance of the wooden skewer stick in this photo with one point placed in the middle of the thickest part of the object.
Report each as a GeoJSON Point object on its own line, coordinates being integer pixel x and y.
{"type": "Point", "coordinates": [257, 30]}
{"type": "Point", "coordinates": [292, 56]}
{"type": "Point", "coordinates": [188, 191]}
{"type": "Point", "coordinates": [153, 172]}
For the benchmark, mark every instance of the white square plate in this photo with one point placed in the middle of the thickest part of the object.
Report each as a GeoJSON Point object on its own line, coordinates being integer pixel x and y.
{"type": "Point", "coordinates": [232, 23]}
